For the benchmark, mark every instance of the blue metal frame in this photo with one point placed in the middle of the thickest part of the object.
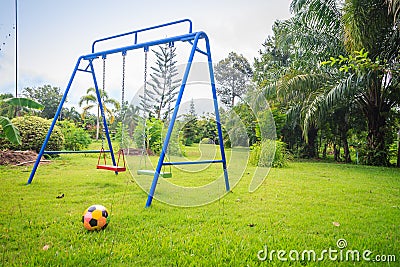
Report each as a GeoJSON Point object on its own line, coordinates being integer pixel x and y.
{"type": "Point", "coordinates": [192, 39]}
{"type": "Point", "coordinates": [75, 152]}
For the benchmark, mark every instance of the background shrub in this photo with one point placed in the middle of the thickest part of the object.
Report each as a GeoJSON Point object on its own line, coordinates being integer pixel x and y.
{"type": "Point", "coordinates": [261, 154]}
{"type": "Point", "coordinates": [33, 131]}
{"type": "Point", "coordinates": [75, 138]}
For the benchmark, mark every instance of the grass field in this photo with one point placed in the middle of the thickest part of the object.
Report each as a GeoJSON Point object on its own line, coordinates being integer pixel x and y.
{"type": "Point", "coordinates": [306, 206]}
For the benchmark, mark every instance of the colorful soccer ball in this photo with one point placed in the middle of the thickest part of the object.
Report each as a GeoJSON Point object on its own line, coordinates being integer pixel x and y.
{"type": "Point", "coordinates": [95, 217]}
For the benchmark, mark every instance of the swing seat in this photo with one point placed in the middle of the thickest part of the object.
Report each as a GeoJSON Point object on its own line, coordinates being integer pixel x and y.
{"type": "Point", "coordinates": [111, 168]}
{"type": "Point", "coordinates": [151, 173]}
{"type": "Point", "coordinates": [115, 168]}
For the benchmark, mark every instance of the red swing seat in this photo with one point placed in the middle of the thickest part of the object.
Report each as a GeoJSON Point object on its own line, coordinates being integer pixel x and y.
{"type": "Point", "coordinates": [111, 167]}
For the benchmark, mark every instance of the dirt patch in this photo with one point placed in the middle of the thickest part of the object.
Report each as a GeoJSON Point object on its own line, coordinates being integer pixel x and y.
{"type": "Point", "coordinates": [10, 157]}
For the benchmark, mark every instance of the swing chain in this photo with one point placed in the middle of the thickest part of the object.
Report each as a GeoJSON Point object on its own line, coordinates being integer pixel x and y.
{"type": "Point", "coordinates": [123, 98]}
{"type": "Point", "coordinates": [145, 85]}
{"type": "Point", "coordinates": [102, 94]}
{"type": "Point", "coordinates": [123, 82]}
{"type": "Point", "coordinates": [171, 45]}
{"type": "Point", "coordinates": [145, 102]}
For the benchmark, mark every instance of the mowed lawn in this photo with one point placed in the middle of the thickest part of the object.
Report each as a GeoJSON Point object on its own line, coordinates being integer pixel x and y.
{"type": "Point", "coordinates": [306, 206]}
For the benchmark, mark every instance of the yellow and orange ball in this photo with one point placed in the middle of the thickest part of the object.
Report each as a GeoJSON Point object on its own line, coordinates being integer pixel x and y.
{"type": "Point", "coordinates": [96, 217]}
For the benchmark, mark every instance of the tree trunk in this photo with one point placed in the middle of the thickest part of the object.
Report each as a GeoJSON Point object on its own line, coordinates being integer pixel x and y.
{"type": "Point", "coordinates": [345, 143]}
{"type": "Point", "coordinates": [336, 153]}
{"type": "Point", "coordinates": [377, 153]}
{"type": "Point", "coordinates": [324, 150]}
{"type": "Point", "coordinates": [311, 148]}
{"type": "Point", "coordinates": [346, 151]}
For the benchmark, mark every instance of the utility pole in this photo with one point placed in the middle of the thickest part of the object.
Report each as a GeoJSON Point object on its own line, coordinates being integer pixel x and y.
{"type": "Point", "coordinates": [16, 48]}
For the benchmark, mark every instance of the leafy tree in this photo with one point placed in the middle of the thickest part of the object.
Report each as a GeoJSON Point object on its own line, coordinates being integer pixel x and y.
{"type": "Point", "coordinates": [6, 109]}
{"type": "Point", "coordinates": [249, 120]}
{"type": "Point", "coordinates": [122, 135]}
{"type": "Point", "coordinates": [152, 135]}
{"type": "Point", "coordinates": [90, 99]}
{"type": "Point", "coordinates": [233, 76]}
{"type": "Point", "coordinates": [48, 96]}
{"type": "Point", "coordinates": [208, 128]}
{"type": "Point", "coordinates": [273, 62]}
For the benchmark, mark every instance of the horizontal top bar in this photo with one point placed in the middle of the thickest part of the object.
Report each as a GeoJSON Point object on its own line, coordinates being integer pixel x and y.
{"type": "Point", "coordinates": [193, 162]}
{"type": "Point", "coordinates": [181, 38]}
{"type": "Point", "coordinates": [143, 30]}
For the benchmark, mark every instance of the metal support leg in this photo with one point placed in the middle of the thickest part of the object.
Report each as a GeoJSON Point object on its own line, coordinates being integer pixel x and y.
{"type": "Point", "coordinates": [217, 117]}
{"type": "Point", "coordinates": [172, 122]}
{"type": "Point", "coordinates": [176, 109]}
{"type": "Point", "coordinates": [46, 140]}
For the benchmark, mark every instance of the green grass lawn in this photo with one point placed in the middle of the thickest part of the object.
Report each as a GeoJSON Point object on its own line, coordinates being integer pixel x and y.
{"type": "Point", "coordinates": [296, 208]}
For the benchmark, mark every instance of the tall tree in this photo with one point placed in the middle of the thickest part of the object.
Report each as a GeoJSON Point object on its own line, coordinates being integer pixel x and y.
{"type": "Point", "coordinates": [163, 85]}
{"type": "Point", "coordinates": [233, 75]}
{"type": "Point", "coordinates": [370, 27]}
{"type": "Point", "coordinates": [289, 71]}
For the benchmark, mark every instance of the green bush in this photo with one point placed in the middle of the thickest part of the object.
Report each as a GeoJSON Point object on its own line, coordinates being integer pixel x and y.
{"type": "Point", "coordinates": [74, 138]}
{"type": "Point", "coordinates": [262, 155]}
{"type": "Point", "coordinates": [122, 136]}
{"type": "Point", "coordinates": [207, 141]}
{"type": "Point", "coordinates": [153, 135]}
{"type": "Point", "coordinates": [33, 131]}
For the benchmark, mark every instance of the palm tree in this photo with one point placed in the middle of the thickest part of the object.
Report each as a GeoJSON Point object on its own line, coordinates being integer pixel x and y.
{"type": "Point", "coordinates": [327, 28]}
{"type": "Point", "coordinates": [71, 114]}
{"type": "Point", "coordinates": [91, 102]}
{"type": "Point", "coordinates": [131, 118]}
{"type": "Point", "coordinates": [369, 26]}
{"type": "Point", "coordinates": [302, 84]}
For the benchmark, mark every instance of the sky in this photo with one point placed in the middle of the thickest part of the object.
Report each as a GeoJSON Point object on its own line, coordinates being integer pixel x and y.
{"type": "Point", "coordinates": [53, 34]}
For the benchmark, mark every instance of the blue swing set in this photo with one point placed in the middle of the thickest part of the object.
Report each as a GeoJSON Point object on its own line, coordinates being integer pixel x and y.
{"type": "Point", "coordinates": [191, 38]}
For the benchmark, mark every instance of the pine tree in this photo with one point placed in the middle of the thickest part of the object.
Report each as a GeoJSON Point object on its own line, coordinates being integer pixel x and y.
{"type": "Point", "coordinates": [189, 130]}
{"type": "Point", "coordinates": [162, 87]}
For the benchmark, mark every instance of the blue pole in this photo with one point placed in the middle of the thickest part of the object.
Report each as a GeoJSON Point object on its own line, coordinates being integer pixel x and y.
{"type": "Point", "coordinates": [102, 113]}
{"type": "Point", "coordinates": [172, 122]}
{"type": "Point", "coordinates": [46, 140]}
{"type": "Point", "coordinates": [217, 117]}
